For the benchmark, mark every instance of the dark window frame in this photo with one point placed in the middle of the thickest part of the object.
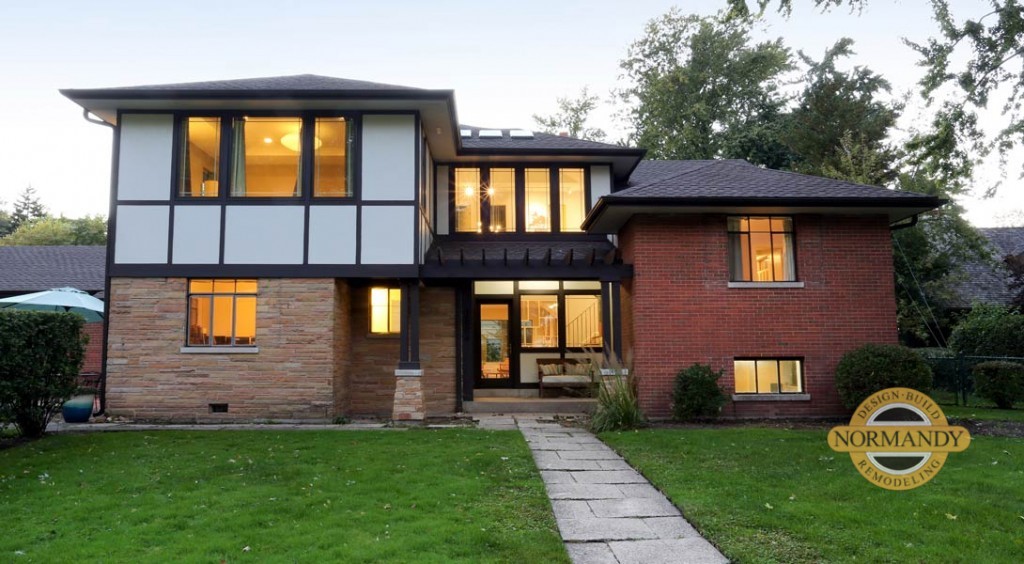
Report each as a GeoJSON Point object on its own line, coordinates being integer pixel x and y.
{"type": "Point", "coordinates": [778, 371]}
{"type": "Point", "coordinates": [189, 294]}
{"type": "Point", "coordinates": [771, 238]}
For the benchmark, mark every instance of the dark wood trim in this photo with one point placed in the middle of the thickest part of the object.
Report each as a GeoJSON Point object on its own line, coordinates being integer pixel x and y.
{"type": "Point", "coordinates": [474, 270]}
{"type": "Point", "coordinates": [264, 270]}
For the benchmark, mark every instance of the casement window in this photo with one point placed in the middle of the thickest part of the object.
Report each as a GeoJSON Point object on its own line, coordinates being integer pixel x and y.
{"type": "Point", "coordinates": [266, 157]}
{"type": "Point", "coordinates": [768, 376]}
{"type": "Point", "coordinates": [385, 311]}
{"type": "Point", "coordinates": [572, 199]}
{"type": "Point", "coordinates": [761, 249]}
{"type": "Point", "coordinates": [221, 313]}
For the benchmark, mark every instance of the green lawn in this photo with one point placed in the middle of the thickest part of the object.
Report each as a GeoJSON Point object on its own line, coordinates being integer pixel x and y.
{"type": "Point", "coordinates": [777, 495]}
{"type": "Point", "coordinates": [297, 496]}
{"type": "Point", "coordinates": [983, 413]}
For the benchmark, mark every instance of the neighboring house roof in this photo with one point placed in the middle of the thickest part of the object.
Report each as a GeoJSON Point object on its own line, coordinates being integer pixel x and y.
{"type": "Point", "coordinates": [33, 269]}
{"type": "Point", "coordinates": [537, 140]}
{"type": "Point", "coordinates": [736, 185]}
{"type": "Point", "coordinates": [987, 282]}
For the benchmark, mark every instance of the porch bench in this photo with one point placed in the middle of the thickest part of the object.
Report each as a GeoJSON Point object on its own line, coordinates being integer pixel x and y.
{"type": "Point", "coordinates": [564, 373]}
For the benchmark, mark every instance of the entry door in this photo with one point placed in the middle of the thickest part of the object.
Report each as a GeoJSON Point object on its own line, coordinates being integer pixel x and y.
{"type": "Point", "coordinates": [496, 362]}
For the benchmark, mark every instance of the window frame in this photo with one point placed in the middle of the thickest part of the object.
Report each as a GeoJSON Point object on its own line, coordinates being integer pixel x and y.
{"type": "Point", "coordinates": [561, 292]}
{"type": "Point", "coordinates": [353, 120]}
{"type": "Point", "coordinates": [777, 359]}
{"type": "Point", "coordinates": [189, 294]}
{"type": "Point", "coordinates": [369, 312]}
{"type": "Point", "coordinates": [793, 250]}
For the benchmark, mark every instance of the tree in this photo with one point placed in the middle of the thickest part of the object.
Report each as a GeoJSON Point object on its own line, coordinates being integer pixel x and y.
{"type": "Point", "coordinates": [1016, 265]}
{"type": "Point", "coordinates": [700, 89]}
{"type": "Point", "coordinates": [572, 118]}
{"type": "Point", "coordinates": [89, 230]}
{"type": "Point", "coordinates": [6, 224]}
{"type": "Point", "coordinates": [27, 208]}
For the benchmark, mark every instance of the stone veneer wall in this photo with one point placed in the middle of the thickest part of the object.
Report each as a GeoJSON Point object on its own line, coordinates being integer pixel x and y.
{"type": "Point", "coordinates": [292, 376]}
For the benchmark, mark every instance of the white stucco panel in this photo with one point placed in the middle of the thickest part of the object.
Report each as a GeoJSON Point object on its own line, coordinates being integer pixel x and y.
{"type": "Point", "coordinates": [264, 234]}
{"type": "Point", "coordinates": [144, 161]}
{"type": "Point", "coordinates": [332, 235]}
{"type": "Point", "coordinates": [196, 235]}
{"type": "Point", "coordinates": [600, 182]}
{"type": "Point", "coordinates": [389, 157]}
{"type": "Point", "coordinates": [388, 234]}
{"type": "Point", "coordinates": [140, 235]}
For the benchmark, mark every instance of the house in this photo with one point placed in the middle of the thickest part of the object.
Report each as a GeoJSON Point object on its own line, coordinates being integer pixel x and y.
{"type": "Point", "coordinates": [30, 269]}
{"type": "Point", "coordinates": [305, 247]}
{"type": "Point", "coordinates": [988, 282]}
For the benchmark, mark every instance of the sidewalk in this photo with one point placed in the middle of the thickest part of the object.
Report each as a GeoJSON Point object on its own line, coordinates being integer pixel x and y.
{"type": "Point", "coordinates": [606, 511]}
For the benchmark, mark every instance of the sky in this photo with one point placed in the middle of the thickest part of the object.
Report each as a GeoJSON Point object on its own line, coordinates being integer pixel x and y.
{"type": "Point", "coordinates": [505, 61]}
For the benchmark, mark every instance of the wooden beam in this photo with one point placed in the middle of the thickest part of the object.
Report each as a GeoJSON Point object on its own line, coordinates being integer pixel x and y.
{"type": "Point", "coordinates": [567, 259]}
{"type": "Point", "coordinates": [526, 257]}
{"type": "Point", "coordinates": [609, 258]}
{"type": "Point", "coordinates": [440, 257]}
{"type": "Point", "coordinates": [590, 256]}
{"type": "Point", "coordinates": [547, 257]}
{"type": "Point", "coordinates": [462, 257]}
{"type": "Point", "coordinates": [504, 258]}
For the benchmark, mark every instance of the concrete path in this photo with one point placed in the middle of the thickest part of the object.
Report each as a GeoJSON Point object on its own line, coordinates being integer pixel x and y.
{"type": "Point", "coordinates": [606, 511]}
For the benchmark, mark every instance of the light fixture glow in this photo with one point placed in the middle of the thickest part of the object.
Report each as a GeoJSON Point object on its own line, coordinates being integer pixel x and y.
{"type": "Point", "coordinates": [468, 190]}
{"type": "Point", "coordinates": [293, 142]}
{"type": "Point", "coordinates": [268, 140]}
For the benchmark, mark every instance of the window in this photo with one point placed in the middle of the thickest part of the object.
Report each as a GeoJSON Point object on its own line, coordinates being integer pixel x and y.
{"type": "Point", "coordinates": [501, 193]}
{"type": "Point", "coordinates": [266, 157]}
{"type": "Point", "coordinates": [768, 376]}
{"type": "Point", "coordinates": [538, 200]}
{"type": "Point", "coordinates": [571, 197]}
{"type": "Point", "coordinates": [539, 320]}
{"type": "Point", "coordinates": [200, 157]}
{"type": "Point", "coordinates": [332, 144]}
{"type": "Point", "coordinates": [583, 321]}
{"type": "Point", "coordinates": [761, 249]}
{"type": "Point", "coordinates": [467, 200]}
{"type": "Point", "coordinates": [385, 311]}
{"type": "Point", "coordinates": [221, 313]}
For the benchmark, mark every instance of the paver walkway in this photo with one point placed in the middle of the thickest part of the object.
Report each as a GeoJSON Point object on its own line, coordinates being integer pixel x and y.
{"type": "Point", "coordinates": [606, 511]}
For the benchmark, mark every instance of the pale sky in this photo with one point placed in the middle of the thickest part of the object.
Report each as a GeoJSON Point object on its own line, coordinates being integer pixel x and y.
{"type": "Point", "coordinates": [505, 61]}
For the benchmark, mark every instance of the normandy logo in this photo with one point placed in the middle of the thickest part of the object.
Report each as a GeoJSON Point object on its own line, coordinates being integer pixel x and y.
{"type": "Point", "coordinates": [898, 439]}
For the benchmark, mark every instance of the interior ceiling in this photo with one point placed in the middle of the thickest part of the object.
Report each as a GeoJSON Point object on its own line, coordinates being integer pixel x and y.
{"type": "Point", "coordinates": [264, 136]}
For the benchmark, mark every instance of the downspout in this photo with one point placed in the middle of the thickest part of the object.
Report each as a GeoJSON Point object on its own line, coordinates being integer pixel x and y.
{"type": "Point", "coordinates": [106, 274]}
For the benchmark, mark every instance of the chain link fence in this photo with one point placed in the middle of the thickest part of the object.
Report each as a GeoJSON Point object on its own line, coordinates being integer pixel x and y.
{"type": "Point", "coordinates": [953, 376]}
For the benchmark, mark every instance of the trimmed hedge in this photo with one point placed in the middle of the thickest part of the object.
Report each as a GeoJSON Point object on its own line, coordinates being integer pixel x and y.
{"type": "Point", "coordinates": [41, 355]}
{"type": "Point", "coordinates": [989, 331]}
{"type": "Point", "coordinates": [1000, 382]}
{"type": "Point", "coordinates": [696, 393]}
{"type": "Point", "coordinates": [872, 368]}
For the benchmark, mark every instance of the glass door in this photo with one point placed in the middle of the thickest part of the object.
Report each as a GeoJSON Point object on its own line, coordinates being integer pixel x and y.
{"type": "Point", "coordinates": [494, 321]}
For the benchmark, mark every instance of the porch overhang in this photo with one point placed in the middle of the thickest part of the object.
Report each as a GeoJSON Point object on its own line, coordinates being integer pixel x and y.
{"type": "Point", "coordinates": [596, 259]}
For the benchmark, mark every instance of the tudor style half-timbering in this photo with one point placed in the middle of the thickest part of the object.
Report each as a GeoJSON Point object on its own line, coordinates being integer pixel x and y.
{"type": "Point", "coordinates": [308, 247]}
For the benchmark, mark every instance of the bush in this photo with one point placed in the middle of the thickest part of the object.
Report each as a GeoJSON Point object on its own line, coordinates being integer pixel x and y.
{"type": "Point", "coordinates": [696, 393]}
{"type": "Point", "coordinates": [989, 331]}
{"type": "Point", "coordinates": [871, 368]}
{"type": "Point", "coordinates": [618, 405]}
{"type": "Point", "coordinates": [1000, 382]}
{"type": "Point", "coordinates": [40, 357]}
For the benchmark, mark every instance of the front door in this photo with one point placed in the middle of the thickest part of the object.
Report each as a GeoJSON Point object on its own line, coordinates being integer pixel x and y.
{"type": "Point", "coordinates": [495, 361]}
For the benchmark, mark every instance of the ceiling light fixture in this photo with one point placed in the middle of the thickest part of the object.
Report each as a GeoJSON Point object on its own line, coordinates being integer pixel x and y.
{"type": "Point", "coordinates": [293, 142]}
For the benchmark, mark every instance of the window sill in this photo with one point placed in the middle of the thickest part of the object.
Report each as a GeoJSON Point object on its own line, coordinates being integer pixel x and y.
{"type": "Point", "coordinates": [220, 350]}
{"type": "Point", "coordinates": [771, 397]}
{"type": "Point", "coordinates": [766, 284]}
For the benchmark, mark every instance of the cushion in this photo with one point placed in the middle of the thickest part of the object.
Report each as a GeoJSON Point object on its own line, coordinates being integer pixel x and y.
{"type": "Point", "coordinates": [567, 379]}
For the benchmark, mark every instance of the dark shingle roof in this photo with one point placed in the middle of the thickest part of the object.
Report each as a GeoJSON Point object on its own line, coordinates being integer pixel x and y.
{"type": "Point", "coordinates": [34, 269]}
{"type": "Point", "coordinates": [293, 83]}
{"type": "Point", "coordinates": [454, 250]}
{"type": "Point", "coordinates": [987, 282]}
{"type": "Point", "coordinates": [539, 140]}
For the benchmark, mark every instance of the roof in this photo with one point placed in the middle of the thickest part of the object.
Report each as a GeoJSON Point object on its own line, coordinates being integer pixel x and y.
{"type": "Point", "coordinates": [539, 140]}
{"type": "Point", "coordinates": [988, 281]}
{"type": "Point", "coordinates": [293, 84]}
{"type": "Point", "coordinates": [460, 258]}
{"type": "Point", "coordinates": [33, 269]}
{"type": "Point", "coordinates": [736, 185]}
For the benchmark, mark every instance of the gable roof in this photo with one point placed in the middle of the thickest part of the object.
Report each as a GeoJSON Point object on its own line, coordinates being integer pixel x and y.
{"type": "Point", "coordinates": [985, 281]}
{"type": "Point", "coordinates": [33, 269]}
{"type": "Point", "coordinates": [735, 186]}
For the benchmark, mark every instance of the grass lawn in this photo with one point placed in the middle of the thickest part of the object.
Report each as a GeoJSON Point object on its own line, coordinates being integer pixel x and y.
{"type": "Point", "coordinates": [297, 496]}
{"type": "Point", "coordinates": [778, 495]}
{"type": "Point", "coordinates": [983, 413]}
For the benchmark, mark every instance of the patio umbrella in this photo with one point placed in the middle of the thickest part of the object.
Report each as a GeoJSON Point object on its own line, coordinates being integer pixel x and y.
{"type": "Point", "coordinates": [58, 300]}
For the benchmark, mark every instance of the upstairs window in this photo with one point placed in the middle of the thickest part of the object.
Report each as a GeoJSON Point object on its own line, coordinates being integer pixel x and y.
{"type": "Point", "coordinates": [768, 376]}
{"type": "Point", "coordinates": [538, 200]}
{"type": "Point", "coordinates": [467, 200]}
{"type": "Point", "coordinates": [572, 199]}
{"type": "Point", "coordinates": [266, 158]}
{"type": "Point", "coordinates": [501, 195]}
{"type": "Point", "coordinates": [385, 311]}
{"type": "Point", "coordinates": [199, 172]}
{"type": "Point", "coordinates": [221, 312]}
{"type": "Point", "coordinates": [761, 249]}
{"type": "Point", "coordinates": [333, 142]}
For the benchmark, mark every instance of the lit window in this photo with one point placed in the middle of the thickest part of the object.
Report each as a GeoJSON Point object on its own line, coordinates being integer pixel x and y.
{"type": "Point", "coordinates": [502, 196]}
{"type": "Point", "coordinates": [332, 171]}
{"type": "Point", "coordinates": [571, 197]}
{"type": "Point", "coordinates": [583, 321]}
{"type": "Point", "coordinates": [200, 157]}
{"type": "Point", "coordinates": [761, 249]}
{"type": "Point", "coordinates": [266, 157]}
{"type": "Point", "coordinates": [539, 320]}
{"type": "Point", "coordinates": [467, 200]}
{"type": "Point", "coordinates": [221, 313]}
{"type": "Point", "coordinates": [385, 311]}
{"type": "Point", "coordinates": [768, 376]}
{"type": "Point", "coordinates": [538, 200]}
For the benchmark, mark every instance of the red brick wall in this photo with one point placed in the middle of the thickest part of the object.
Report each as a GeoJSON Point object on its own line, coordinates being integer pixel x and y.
{"type": "Point", "coordinates": [683, 311]}
{"type": "Point", "coordinates": [93, 350]}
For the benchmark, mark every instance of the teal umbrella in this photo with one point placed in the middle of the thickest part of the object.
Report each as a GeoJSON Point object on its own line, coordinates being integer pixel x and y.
{"type": "Point", "coordinates": [60, 300]}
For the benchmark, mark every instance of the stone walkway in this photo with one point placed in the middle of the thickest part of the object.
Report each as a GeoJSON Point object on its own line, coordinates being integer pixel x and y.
{"type": "Point", "coordinates": [606, 511]}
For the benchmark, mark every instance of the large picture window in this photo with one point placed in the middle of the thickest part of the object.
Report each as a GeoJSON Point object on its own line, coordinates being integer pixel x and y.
{"type": "Point", "coordinates": [385, 311]}
{"type": "Point", "coordinates": [768, 376]}
{"type": "Point", "coordinates": [266, 157]}
{"type": "Point", "coordinates": [221, 313]}
{"type": "Point", "coordinates": [761, 249]}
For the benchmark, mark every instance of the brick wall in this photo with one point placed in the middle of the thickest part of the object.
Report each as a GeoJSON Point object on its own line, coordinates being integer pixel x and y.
{"type": "Point", "coordinates": [290, 378]}
{"type": "Point", "coordinates": [437, 350]}
{"type": "Point", "coordinates": [342, 345]}
{"type": "Point", "coordinates": [93, 350]}
{"type": "Point", "coordinates": [683, 311]}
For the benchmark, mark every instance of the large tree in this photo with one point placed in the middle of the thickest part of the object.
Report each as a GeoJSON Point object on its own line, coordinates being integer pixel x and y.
{"type": "Point", "coordinates": [572, 117]}
{"type": "Point", "coordinates": [27, 208]}
{"type": "Point", "coordinates": [89, 230]}
{"type": "Point", "coordinates": [700, 88]}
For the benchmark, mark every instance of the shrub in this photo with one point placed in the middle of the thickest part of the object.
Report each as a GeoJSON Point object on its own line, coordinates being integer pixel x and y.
{"type": "Point", "coordinates": [871, 368]}
{"type": "Point", "coordinates": [696, 393]}
{"type": "Point", "coordinates": [618, 405]}
{"type": "Point", "coordinates": [1000, 382]}
{"type": "Point", "coordinates": [989, 331]}
{"type": "Point", "coordinates": [40, 357]}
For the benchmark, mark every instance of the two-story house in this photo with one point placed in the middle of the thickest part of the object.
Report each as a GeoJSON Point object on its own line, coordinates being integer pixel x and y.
{"type": "Point", "coordinates": [307, 247]}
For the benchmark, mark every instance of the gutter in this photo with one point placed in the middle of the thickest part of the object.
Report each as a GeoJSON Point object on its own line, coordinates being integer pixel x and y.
{"type": "Point", "coordinates": [911, 223]}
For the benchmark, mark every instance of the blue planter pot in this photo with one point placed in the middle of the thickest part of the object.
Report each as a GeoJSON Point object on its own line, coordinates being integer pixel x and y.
{"type": "Point", "coordinates": [78, 409]}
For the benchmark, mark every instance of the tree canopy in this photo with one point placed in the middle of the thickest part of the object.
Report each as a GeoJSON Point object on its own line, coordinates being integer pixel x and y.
{"type": "Point", "coordinates": [89, 230]}
{"type": "Point", "coordinates": [572, 117]}
{"type": "Point", "coordinates": [27, 208]}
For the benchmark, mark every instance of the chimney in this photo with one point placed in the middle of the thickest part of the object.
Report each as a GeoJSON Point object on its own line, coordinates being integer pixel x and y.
{"type": "Point", "coordinates": [563, 133]}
